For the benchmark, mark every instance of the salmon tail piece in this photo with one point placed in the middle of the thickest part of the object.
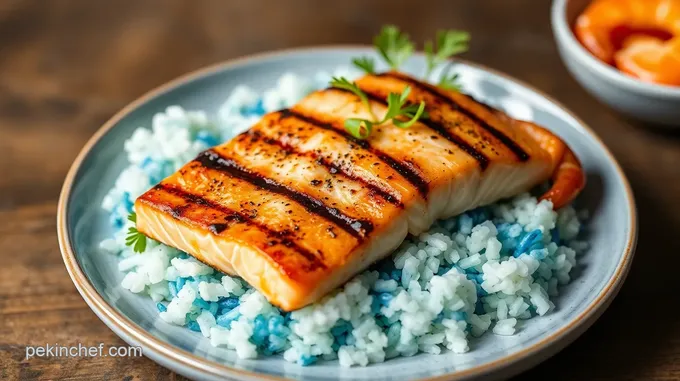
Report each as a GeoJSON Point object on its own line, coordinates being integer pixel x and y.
{"type": "Point", "coordinates": [568, 178]}
{"type": "Point", "coordinates": [568, 181]}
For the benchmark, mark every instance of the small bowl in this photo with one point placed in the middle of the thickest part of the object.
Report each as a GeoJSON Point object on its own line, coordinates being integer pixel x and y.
{"type": "Point", "coordinates": [657, 104]}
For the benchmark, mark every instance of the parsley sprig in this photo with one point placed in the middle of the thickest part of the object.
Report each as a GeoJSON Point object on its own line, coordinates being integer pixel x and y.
{"type": "Point", "coordinates": [395, 48]}
{"type": "Point", "coordinates": [396, 106]}
{"type": "Point", "coordinates": [366, 64]}
{"type": "Point", "coordinates": [134, 237]}
{"type": "Point", "coordinates": [449, 82]}
{"type": "Point", "coordinates": [449, 43]}
{"type": "Point", "coordinates": [345, 84]}
{"type": "Point", "coordinates": [397, 110]}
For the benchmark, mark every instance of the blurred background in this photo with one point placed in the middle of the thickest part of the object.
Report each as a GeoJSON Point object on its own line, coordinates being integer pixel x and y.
{"type": "Point", "coordinates": [66, 66]}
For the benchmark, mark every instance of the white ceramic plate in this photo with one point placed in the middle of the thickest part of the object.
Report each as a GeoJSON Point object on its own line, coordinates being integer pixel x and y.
{"type": "Point", "coordinates": [82, 224]}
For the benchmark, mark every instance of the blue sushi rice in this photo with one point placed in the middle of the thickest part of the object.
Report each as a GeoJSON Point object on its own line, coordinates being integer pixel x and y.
{"type": "Point", "coordinates": [386, 317]}
{"type": "Point", "coordinates": [172, 287]}
{"type": "Point", "coordinates": [202, 304]}
{"type": "Point", "coordinates": [116, 220]}
{"type": "Point", "coordinates": [192, 325]}
{"type": "Point", "coordinates": [254, 110]}
{"type": "Point", "coordinates": [208, 139]}
{"type": "Point", "coordinates": [180, 283]}
{"type": "Point", "coordinates": [227, 318]}
{"type": "Point", "coordinates": [157, 170]}
{"type": "Point", "coordinates": [532, 240]}
{"type": "Point", "coordinates": [227, 304]}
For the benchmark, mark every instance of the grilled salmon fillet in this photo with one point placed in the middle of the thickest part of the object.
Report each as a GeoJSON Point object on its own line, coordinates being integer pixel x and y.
{"type": "Point", "coordinates": [296, 206]}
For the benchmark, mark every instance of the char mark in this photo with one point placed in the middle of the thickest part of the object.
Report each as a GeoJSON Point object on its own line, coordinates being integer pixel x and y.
{"type": "Point", "coordinates": [356, 227]}
{"type": "Point", "coordinates": [231, 217]}
{"type": "Point", "coordinates": [177, 211]}
{"type": "Point", "coordinates": [405, 169]}
{"type": "Point", "coordinates": [217, 228]}
{"type": "Point", "coordinates": [332, 167]}
{"type": "Point", "coordinates": [433, 90]}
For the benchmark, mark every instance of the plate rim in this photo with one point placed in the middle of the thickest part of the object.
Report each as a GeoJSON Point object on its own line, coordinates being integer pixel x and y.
{"type": "Point", "coordinates": [125, 328]}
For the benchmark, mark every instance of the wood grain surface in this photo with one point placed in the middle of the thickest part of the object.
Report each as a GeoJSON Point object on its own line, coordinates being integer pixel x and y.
{"type": "Point", "coordinates": [67, 66]}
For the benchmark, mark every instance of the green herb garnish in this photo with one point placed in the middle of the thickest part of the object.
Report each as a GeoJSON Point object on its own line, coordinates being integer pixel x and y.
{"type": "Point", "coordinates": [396, 107]}
{"type": "Point", "coordinates": [394, 46]}
{"type": "Point", "coordinates": [449, 43]}
{"type": "Point", "coordinates": [345, 84]}
{"type": "Point", "coordinates": [449, 82]}
{"type": "Point", "coordinates": [366, 64]}
{"type": "Point", "coordinates": [134, 238]}
{"type": "Point", "coordinates": [359, 128]}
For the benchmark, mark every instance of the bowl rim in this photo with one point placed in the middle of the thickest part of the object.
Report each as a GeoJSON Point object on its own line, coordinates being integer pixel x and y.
{"type": "Point", "coordinates": [563, 33]}
{"type": "Point", "coordinates": [164, 352]}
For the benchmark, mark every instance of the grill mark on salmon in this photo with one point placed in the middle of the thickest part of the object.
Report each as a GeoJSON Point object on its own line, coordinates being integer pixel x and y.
{"type": "Point", "coordinates": [177, 211]}
{"type": "Point", "coordinates": [217, 228]}
{"type": "Point", "coordinates": [444, 132]}
{"type": "Point", "coordinates": [333, 168]}
{"type": "Point", "coordinates": [506, 140]}
{"type": "Point", "coordinates": [406, 170]}
{"type": "Point", "coordinates": [234, 217]}
{"type": "Point", "coordinates": [358, 228]}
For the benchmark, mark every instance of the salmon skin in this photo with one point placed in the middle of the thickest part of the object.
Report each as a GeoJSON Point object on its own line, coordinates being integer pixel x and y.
{"type": "Point", "coordinates": [296, 206]}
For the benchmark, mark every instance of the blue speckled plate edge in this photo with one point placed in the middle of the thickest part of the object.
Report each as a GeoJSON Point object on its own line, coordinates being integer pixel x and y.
{"type": "Point", "coordinates": [197, 367]}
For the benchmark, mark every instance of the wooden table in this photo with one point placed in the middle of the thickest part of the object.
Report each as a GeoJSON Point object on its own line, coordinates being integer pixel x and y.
{"type": "Point", "coordinates": [67, 66]}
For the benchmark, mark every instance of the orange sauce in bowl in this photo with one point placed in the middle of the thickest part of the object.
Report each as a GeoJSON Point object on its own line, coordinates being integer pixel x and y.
{"type": "Point", "coordinates": [641, 38]}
